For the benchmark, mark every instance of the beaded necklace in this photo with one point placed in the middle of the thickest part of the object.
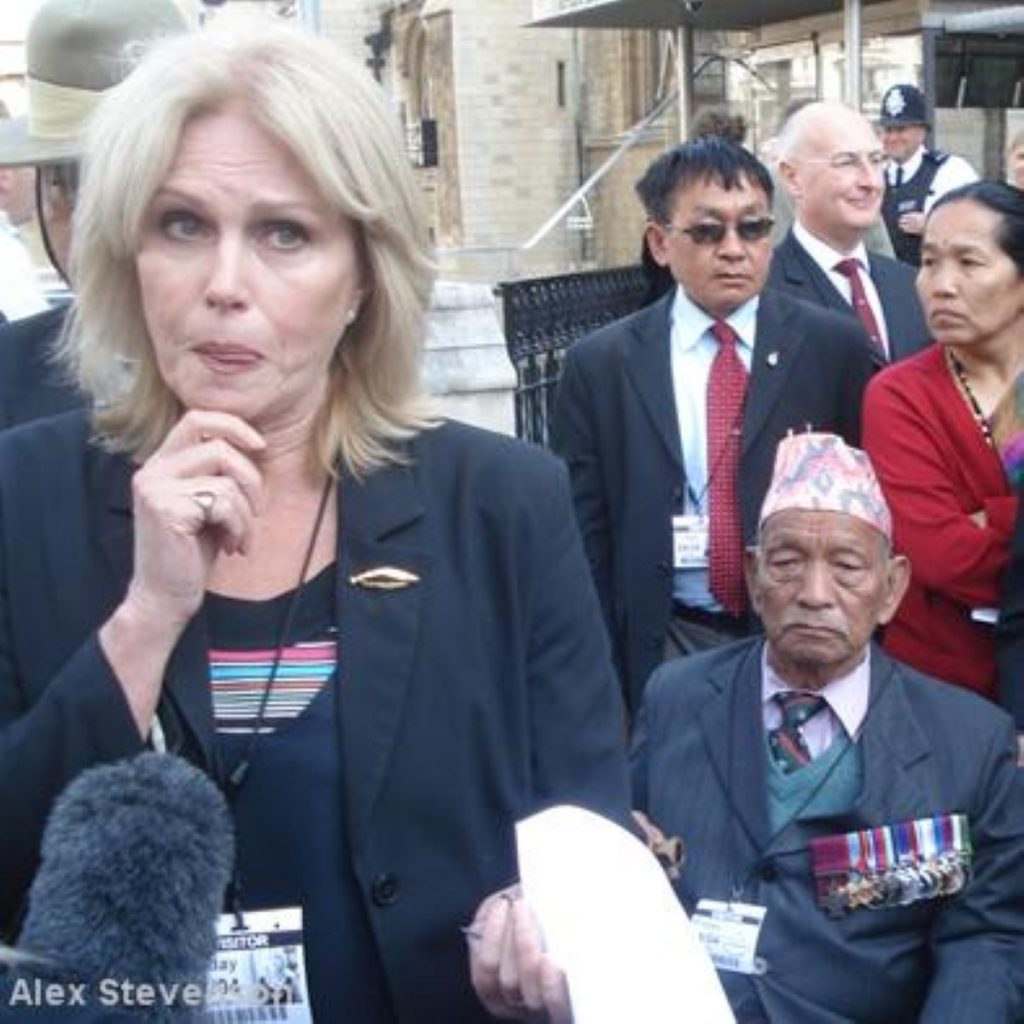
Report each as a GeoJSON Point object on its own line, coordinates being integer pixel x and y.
{"type": "Point", "coordinates": [961, 376]}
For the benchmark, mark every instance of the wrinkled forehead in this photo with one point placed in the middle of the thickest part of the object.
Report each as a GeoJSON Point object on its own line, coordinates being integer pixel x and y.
{"type": "Point", "coordinates": [820, 530]}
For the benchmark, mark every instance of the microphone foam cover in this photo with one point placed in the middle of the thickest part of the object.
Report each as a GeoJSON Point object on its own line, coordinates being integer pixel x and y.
{"type": "Point", "coordinates": [136, 857]}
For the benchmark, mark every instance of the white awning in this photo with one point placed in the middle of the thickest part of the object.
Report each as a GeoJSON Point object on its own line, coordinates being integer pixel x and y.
{"type": "Point", "coordinates": [995, 21]}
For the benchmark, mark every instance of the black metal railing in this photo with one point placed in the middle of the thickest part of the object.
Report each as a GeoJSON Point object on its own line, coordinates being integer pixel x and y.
{"type": "Point", "coordinates": [543, 316]}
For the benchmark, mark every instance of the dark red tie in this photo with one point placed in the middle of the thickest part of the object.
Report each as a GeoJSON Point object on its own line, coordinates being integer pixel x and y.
{"type": "Point", "coordinates": [727, 386]}
{"type": "Point", "coordinates": [850, 269]}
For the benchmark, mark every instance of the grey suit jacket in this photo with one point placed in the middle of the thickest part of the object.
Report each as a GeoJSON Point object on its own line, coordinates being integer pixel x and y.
{"type": "Point", "coordinates": [793, 271]}
{"type": "Point", "coordinates": [928, 748]}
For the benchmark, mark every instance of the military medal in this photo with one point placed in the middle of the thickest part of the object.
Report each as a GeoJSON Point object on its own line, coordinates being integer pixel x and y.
{"type": "Point", "coordinates": [892, 865]}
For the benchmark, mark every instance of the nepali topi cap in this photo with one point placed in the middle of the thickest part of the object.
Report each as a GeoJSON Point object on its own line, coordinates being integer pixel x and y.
{"type": "Point", "coordinates": [821, 472]}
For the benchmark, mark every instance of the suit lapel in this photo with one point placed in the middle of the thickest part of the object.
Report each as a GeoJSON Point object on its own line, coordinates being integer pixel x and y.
{"type": "Point", "coordinates": [110, 481]}
{"type": "Point", "coordinates": [734, 738]}
{"type": "Point", "coordinates": [893, 746]}
{"type": "Point", "coordinates": [892, 302]}
{"type": "Point", "coordinates": [779, 338]}
{"type": "Point", "coordinates": [380, 526]}
{"type": "Point", "coordinates": [803, 272]}
{"type": "Point", "coordinates": [649, 366]}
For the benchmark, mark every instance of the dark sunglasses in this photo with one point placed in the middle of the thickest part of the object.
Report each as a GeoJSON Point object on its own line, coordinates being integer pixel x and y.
{"type": "Point", "coordinates": [712, 232]}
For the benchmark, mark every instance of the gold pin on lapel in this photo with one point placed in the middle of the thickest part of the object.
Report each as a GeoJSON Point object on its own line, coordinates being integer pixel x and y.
{"type": "Point", "coordinates": [384, 577]}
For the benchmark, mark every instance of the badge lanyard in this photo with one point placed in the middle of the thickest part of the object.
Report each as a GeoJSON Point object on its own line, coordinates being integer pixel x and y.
{"type": "Point", "coordinates": [696, 499]}
{"type": "Point", "coordinates": [232, 781]}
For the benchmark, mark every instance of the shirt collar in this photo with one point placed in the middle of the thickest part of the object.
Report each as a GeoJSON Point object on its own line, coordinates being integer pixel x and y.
{"type": "Point", "coordinates": [847, 697]}
{"type": "Point", "coordinates": [910, 168]}
{"type": "Point", "coordinates": [824, 255]}
{"type": "Point", "coordinates": [690, 323]}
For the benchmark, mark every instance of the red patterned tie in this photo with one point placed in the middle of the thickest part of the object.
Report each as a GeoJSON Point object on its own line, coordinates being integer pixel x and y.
{"type": "Point", "coordinates": [727, 386]}
{"type": "Point", "coordinates": [850, 269]}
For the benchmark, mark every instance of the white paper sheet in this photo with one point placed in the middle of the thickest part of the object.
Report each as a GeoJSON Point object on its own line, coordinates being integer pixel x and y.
{"type": "Point", "coordinates": [613, 924]}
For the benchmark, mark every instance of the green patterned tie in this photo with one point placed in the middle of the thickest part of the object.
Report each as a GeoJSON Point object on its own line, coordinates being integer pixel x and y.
{"type": "Point", "coordinates": [786, 744]}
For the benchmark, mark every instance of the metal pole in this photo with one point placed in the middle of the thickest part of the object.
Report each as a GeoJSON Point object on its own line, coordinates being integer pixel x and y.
{"type": "Point", "coordinates": [684, 78]}
{"type": "Point", "coordinates": [309, 15]}
{"type": "Point", "coordinates": [851, 31]}
{"type": "Point", "coordinates": [632, 137]}
{"type": "Point", "coordinates": [929, 36]}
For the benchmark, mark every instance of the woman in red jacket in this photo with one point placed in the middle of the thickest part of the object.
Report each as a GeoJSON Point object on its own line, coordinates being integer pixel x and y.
{"type": "Point", "coordinates": [928, 426]}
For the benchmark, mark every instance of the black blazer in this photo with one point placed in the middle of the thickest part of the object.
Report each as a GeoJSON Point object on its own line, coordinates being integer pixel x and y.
{"type": "Point", "coordinates": [700, 766]}
{"type": "Point", "coordinates": [793, 271]}
{"type": "Point", "coordinates": [31, 384]}
{"type": "Point", "coordinates": [615, 424]}
{"type": "Point", "coordinates": [480, 694]}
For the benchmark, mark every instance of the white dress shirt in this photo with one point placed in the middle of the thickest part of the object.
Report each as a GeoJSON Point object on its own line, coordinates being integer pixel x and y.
{"type": "Point", "coordinates": [846, 699]}
{"type": "Point", "coordinates": [952, 173]}
{"type": "Point", "coordinates": [20, 292]}
{"type": "Point", "coordinates": [693, 350]}
{"type": "Point", "coordinates": [826, 258]}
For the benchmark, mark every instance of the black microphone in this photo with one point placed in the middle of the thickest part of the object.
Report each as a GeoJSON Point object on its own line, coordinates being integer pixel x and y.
{"type": "Point", "coordinates": [136, 857]}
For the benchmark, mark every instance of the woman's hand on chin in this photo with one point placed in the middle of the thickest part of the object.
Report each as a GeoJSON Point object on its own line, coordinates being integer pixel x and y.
{"type": "Point", "coordinates": [193, 498]}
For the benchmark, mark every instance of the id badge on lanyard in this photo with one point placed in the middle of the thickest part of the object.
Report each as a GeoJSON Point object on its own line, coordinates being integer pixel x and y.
{"type": "Point", "coordinates": [259, 971]}
{"type": "Point", "coordinates": [690, 541]}
{"type": "Point", "coordinates": [729, 933]}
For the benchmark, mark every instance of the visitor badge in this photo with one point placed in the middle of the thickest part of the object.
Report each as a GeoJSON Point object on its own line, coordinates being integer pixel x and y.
{"type": "Point", "coordinates": [729, 933]}
{"type": "Point", "coordinates": [690, 542]}
{"type": "Point", "coordinates": [259, 970]}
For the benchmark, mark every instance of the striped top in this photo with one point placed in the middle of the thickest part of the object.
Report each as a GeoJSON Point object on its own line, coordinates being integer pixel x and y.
{"type": "Point", "coordinates": [239, 682]}
{"type": "Point", "coordinates": [241, 657]}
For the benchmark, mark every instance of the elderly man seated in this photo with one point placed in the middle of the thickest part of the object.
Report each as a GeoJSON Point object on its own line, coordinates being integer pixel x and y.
{"type": "Point", "coordinates": [853, 830]}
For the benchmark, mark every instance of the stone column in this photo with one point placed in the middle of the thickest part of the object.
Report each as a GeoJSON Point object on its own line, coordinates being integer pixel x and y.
{"type": "Point", "coordinates": [466, 364]}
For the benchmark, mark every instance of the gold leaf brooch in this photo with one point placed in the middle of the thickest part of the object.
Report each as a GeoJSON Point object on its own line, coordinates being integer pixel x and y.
{"type": "Point", "coordinates": [384, 577]}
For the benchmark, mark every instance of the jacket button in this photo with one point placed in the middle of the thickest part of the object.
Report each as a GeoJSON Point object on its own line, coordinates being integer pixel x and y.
{"type": "Point", "coordinates": [384, 890]}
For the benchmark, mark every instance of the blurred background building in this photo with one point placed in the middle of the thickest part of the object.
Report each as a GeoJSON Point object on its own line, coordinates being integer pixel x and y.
{"type": "Point", "coordinates": [527, 138]}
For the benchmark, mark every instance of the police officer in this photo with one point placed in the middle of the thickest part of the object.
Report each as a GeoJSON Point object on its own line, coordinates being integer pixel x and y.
{"type": "Point", "coordinates": [916, 176]}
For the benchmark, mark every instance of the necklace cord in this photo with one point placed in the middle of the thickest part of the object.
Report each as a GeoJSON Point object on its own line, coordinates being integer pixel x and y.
{"type": "Point", "coordinates": [960, 373]}
{"type": "Point", "coordinates": [241, 770]}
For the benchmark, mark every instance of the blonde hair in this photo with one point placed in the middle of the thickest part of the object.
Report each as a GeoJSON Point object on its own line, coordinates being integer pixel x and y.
{"type": "Point", "coordinates": [336, 122]}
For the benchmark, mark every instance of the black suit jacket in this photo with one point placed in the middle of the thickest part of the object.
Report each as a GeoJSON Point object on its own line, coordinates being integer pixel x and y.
{"type": "Point", "coordinates": [700, 765]}
{"type": "Point", "coordinates": [1010, 629]}
{"type": "Point", "coordinates": [477, 696]}
{"type": "Point", "coordinates": [31, 384]}
{"type": "Point", "coordinates": [793, 271]}
{"type": "Point", "coordinates": [615, 424]}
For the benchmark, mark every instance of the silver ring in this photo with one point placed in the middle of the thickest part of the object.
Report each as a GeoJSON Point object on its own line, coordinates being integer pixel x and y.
{"type": "Point", "coordinates": [205, 500]}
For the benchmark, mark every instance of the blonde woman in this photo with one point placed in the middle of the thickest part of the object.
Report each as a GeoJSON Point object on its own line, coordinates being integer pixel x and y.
{"type": "Point", "coordinates": [374, 629]}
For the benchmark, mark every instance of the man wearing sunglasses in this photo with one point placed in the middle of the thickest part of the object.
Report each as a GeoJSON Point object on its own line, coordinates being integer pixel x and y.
{"type": "Point", "coordinates": [831, 163]}
{"type": "Point", "coordinates": [669, 418]}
